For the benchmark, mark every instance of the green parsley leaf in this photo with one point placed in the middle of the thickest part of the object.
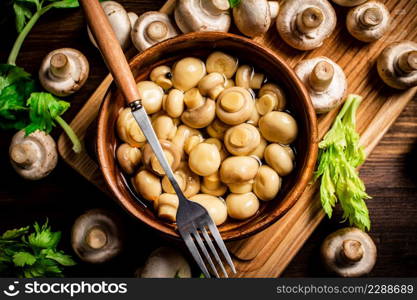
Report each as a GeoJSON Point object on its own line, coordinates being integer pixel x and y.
{"type": "Point", "coordinates": [21, 259]}
{"type": "Point", "coordinates": [10, 74]}
{"type": "Point", "coordinates": [234, 3]}
{"type": "Point", "coordinates": [14, 233]}
{"type": "Point", "coordinates": [64, 3]}
{"type": "Point", "coordinates": [43, 237]}
{"type": "Point", "coordinates": [58, 256]}
{"type": "Point", "coordinates": [44, 109]}
{"type": "Point", "coordinates": [340, 154]}
{"type": "Point", "coordinates": [23, 15]}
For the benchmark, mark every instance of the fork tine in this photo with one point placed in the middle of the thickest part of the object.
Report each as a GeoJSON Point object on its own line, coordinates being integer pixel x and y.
{"type": "Point", "coordinates": [194, 252]}
{"type": "Point", "coordinates": [213, 250]}
{"type": "Point", "coordinates": [215, 233]}
{"type": "Point", "coordinates": [203, 248]}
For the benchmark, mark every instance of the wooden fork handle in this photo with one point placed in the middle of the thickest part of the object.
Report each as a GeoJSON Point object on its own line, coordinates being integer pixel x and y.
{"type": "Point", "coordinates": [110, 49]}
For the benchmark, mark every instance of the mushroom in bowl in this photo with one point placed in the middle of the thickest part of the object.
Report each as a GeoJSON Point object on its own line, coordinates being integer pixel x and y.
{"type": "Point", "coordinates": [197, 142]}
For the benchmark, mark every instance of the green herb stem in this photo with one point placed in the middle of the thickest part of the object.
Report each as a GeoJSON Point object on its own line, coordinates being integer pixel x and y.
{"type": "Point", "coordinates": [23, 34]}
{"type": "Point", "coordinates": [71, 134]}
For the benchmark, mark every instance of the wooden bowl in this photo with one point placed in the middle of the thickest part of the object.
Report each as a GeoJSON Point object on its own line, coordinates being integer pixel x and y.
{"type": "Point", "coordinates": [200, 45]}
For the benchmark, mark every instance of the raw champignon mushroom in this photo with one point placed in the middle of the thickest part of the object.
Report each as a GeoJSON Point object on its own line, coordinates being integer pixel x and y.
{"type": "Point", "coordinates": [64, 71]}
{"type": "Point", "coordinates": [397, 65]}
{"type": "Point", "coordinates": [165, 262]}
{"type": "Point", "coordinates": [242, 139]}
{"type": "Point", "coordinates": [128, 129]}
{"type": "Point", "coordinates": [119, 21]}
{"type": "Point", "coordinates": [279, 158]}
{"type": "Point", "coordinates": [267, 183]}
{"type": "Point", "coordinates": [325, 81]}
{"type": "Point", "coordinates": [270, 97]}
{"type": "Point", "coordinates": [368, 22]}
{"type": "Point", "coordinates": [132, 18]}
{"type": "Point", "coordinates": [234, 105]}
{"type": "Point", "coordinates": [207, 15]}
{"type": "Point", "coordinates": [162, 76]}
{"type": "Point", "coordinates": [222, 63]}
{"type": "Point", "coordinates": [151, 95]}
{"type": "Point", "coordinates": [172, 154]}
{"type": "Point", "coordinates": [34, 156]}
{"type": "Point", "coordinates": [305, 24]}
{"type": "Point", "coordinates": [247, 78]}
{"type": "Point", "coordinates": [148, 185]}
{"type": "Point", "coordinates": [129, 158]}
{"type": "Point", "coordinates": [253, 17]}
{"type": "Point", "coordinates": [166, 206]}
{"type": "Point", "coordinates": [204, 159]}
{"type": "Point", "coordinates": [278, 127]}
{"type": "Point", "coordinates": [349, 3]}
{"type": "Point", "coordinates": [242, 206]}
{"type": "Point", "coordinates": [151, 28]}
{"type": "Point", "coordinates": [349, 252]}
{"type": "Point", "coordinates": [215, 206]}
{"type": "Point", "coordinates": [187, 72]}
{"type": "Point", "coordinates": [97, 236]}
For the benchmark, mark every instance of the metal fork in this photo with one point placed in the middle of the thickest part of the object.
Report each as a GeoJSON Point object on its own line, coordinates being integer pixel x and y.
{"type": "Point", "coordinates": [192, 218]}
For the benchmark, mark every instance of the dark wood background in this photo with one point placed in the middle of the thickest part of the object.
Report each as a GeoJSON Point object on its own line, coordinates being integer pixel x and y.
{"type": "Point", "coordinates": [390, 174]}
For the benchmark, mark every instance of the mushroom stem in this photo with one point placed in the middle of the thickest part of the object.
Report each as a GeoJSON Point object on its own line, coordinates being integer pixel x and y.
{"type": "Point", "coordinates": [407, 62]}
{"type": "Point", "coordinates": [351, 252]}
{"type": "Point", "coordinates": [23, 155]}
{"type": "Point", "coordinates": [273, 8]}
{"type": "Point", "coordinates": [215, 7]}
{"type": "Point", "coordinates": [309, 19]}
{"type": "Point", "coordinates": [321, 76]}
{"type": "Point", "coordinates": [60, 66]}
{"type": "Point", "coordinates": [96, 238]}
{"type": "Point", "coordinates": [157, 30]}
{"type": "Point", "coordinates": [232, 102]}
{"type": "Point", "coordinates": [371, 17]}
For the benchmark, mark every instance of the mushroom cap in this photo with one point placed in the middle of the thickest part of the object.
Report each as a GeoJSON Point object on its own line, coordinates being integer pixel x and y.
{"type": "Point", "coordinates": [151, 95]}
{"type": "Point", "coordinates": [323, 101]}
{"type": "Point", "coordinates": [234, 105]}
{"type": "Point", "coordinates": [287, 28]}
{"type": "Point", "coordinates": [387, 65]}
{"type": "Point", "coordinates": [148, 185]}
{"type": "Point", "coordinates": [252, 17]}
{"type": "Point", "coordinates": [267, 183]}
{"type": "Point", "coordinates": [119, 21]}
{"type": "Point", "coordinates": [332, 247]}
{"type": "Point", "coordinates": [34, 156]}
{"type": "Point", "coordinates": [187, 72]}
{"type": "Point", "coordinates": [242, 139]}
{"type": "Point", "coordinates": [222, 63]}
{"type": "Point", "coordinates": [166, 262]}
{"type": "Point", "coordinates": [167, 205]}
{"type": "Point", "coordinates": [349, 3]}
{"type": "Point", "coordinates": [200, 117]}
{"type": "Point", "coordinates": [96, 236]}
{"type": "Point", "coordinates": [215, 206]}
{"type": "Point", "coordinates": [242, 206]}
{"type": "Point", "coordinates": [376, 14]}
{"type": "Point", "coordinates": [128, 129]}
{"type": "Point", "coordinates": [192, 180]}
{"type": "Point", "coordinates": [151, 28]}
{"type": "Point", "coordinates": [172, 154]}
{"type": "Point", "coordinates": [173, 104]}
{"type": "Point", "coordinates": [132, 18]}
{"type": "Point", "coordinates": [128, 158]}
{"type": "Point", "coordinates": [197, 15]}
{"type": "Point", "coordinates": [204, 159]}
{"type": "Point", "coordinates": [278, 127]}
{"type": "Point", "coordinates": [279, 158]}
{"type": "Point", "coordinates": [236, 169]}
{"type": "Point", "coordinates": [72, 74]}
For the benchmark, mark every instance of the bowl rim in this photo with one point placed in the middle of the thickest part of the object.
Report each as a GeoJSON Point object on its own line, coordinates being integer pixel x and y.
{"type": "Point", "coordinates": [294, 193]}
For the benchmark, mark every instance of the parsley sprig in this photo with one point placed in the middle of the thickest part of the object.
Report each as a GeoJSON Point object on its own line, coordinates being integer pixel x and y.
{"type": "Point", "coordinates": [340, 154]}
{"type": "Point", "coordinates": [234, 3]}
{"type": "Point", "coordinates": [21, 106]}
{"type": "Point", "coordinates": [32, 253]}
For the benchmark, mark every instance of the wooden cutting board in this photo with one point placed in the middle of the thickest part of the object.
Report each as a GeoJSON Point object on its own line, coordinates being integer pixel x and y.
{"type": "Point", "coordinates": [269, 252]}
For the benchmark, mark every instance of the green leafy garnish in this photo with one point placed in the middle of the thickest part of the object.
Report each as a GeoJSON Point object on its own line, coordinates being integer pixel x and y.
{"type": "Point", "coordinates": [339, 156]}
{"type": "Point", "coordinates": [27, 14]}
{"type": "Point", "coordinates": [234, 3]}
{"type": "Point", "coordinates": [32, 254]}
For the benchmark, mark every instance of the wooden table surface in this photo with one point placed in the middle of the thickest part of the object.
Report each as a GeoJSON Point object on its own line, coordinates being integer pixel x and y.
{"type": "Point", "coordinates": [390, 174]}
